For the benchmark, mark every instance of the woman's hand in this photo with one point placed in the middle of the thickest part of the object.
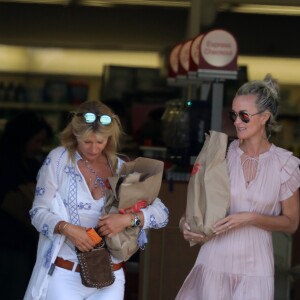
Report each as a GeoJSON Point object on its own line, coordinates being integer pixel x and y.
{"type": "Point", "coordinates": [190, 236]}
{"type": "Point", "coordinates": [111, 224]}
{"type": "Point", "coordinates": [79, 237]}
{"type": "Point", "coordinates": [233, 221]}
{"type": "Point", "coordinates": [287, 221]}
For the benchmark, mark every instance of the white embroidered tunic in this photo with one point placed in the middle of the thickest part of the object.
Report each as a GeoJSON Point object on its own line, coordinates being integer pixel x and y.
{"type": "Point", "coordinates": [62, 194]}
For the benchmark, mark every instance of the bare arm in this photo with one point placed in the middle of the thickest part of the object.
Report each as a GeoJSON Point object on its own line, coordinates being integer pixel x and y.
{"type": "Point", "coordinates": [287, 222]}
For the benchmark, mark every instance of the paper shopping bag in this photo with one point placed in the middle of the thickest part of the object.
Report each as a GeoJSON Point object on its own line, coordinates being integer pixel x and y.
{"type": "Point", "coordinates": [208, 194]}
{"type": "Point", "coordinates": [137, 182]}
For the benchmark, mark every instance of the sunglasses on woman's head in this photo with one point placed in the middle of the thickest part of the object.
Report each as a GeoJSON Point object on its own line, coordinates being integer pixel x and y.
{"type": "Point", "coordinates": [243, 115]}
{"type": "Point", "coordinates": [91, 118]}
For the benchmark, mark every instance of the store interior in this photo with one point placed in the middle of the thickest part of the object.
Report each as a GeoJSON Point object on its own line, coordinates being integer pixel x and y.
{"type": "Point", "coordinates": [55, 54]}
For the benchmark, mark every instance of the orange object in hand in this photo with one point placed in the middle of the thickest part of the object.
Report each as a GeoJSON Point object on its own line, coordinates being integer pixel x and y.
{"type": "Point", "coordinates": [94, 235]}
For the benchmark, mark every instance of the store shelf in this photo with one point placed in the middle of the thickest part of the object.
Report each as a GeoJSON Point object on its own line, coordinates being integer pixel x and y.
{"type": "Point", "coordinates": [52, 96]}
{"type": "Point", "coordinates": [37, 106]}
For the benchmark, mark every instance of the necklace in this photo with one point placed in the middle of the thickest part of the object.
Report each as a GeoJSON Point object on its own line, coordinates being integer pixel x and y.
{"type": "Point", "coordinates": [98, 180]}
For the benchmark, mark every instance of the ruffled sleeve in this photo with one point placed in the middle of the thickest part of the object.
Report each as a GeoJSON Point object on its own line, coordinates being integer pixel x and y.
{"type": "Point", "coordinates": [289, 173]}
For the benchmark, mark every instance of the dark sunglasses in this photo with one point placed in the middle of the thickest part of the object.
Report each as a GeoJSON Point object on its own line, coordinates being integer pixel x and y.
{"type": "Point", "coordinates": [91, 118]}
{"type": "Point", "coordinates": [243, 115]}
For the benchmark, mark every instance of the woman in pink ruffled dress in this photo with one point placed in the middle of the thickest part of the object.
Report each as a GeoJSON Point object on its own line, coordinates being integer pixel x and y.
{"type": "Point", "coordinates": [238, 263]}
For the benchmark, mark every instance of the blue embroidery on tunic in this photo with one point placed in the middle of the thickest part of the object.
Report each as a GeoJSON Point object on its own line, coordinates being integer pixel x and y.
{"type": "Point", "coordinates": [33, 212]}
{"type": "Point", "coordinates": [155, 225]}
{"type": "Point", "coordinates": [166, 210]}
{"type": "Point", "coordinates": [72, 195]}
{"type": "Point", "coordinates": [45, 230]}
{"type": "Point", "coordinates": [86, 205]}
{"type": "Point", "coordinates": [39, 191]}
{"type": "Point", "coordinates": [142, 239]}
{"type": "Point", "coordinates": [47, 161]}
{"type": "Point", "coordinates": [48, 256]}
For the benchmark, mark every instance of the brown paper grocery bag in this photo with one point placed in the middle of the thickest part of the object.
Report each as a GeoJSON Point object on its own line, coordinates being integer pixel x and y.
{"type": "Point", "coordinates": [147, 173]}
{"type": "Point", "coordinates": [137, 180]}
{"type": "Point", "coordinates": [208, 194]}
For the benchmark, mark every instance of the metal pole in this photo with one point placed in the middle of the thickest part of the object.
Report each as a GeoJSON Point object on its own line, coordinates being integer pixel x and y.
{"type": "Point", "coordinates": [217, 105]}
{"type": "Point", "coordinates": [193, 29]}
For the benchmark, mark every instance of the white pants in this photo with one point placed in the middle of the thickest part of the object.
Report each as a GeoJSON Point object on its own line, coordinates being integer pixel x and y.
{"type": "Point", "coordinates": [66, 285]}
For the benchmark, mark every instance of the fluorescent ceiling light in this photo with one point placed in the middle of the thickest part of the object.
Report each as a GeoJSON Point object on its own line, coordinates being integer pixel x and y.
{"type": "Point", "coordinates": [96, 3]}
{"type": "Point", "coordinates": [166, 3]}
{"type": "Point", "coordinates": [71, 61]}
{"type": "Point", "coordinates": [285, 69]}
{"type": "Point", "coordinates": [62, 2]}
{"type": "Point", "coordinates": [108, 3]}
{"type": "Point", "coordinates": [262, 9]}
{"type": "Point", "coordinates": [90, 62]}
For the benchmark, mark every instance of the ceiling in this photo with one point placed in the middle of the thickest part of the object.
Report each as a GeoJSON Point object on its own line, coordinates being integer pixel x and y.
{"type": "Point", "coordinates": [148, 25]}
{"type": "Point", "coordinates": [218, 4]}
{"type": "Point", "coordinates": [177, 3]}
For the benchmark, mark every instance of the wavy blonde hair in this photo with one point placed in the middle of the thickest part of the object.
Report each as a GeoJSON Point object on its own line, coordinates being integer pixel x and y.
{"type": "Point", "coordinates": [78, 128]}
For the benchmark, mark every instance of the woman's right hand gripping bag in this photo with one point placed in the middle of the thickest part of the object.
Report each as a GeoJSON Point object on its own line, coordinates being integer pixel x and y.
{"type": "Point", "coordinates": [208, 195]}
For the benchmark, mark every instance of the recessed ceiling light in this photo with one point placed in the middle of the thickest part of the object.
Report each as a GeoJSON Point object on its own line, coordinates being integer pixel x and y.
{"type": "Point", "coordinates": [166, 3]}
{"type": "Point", "coordinates": [62, 2]}
{"type": "Point", "coordinates": [262, 9]}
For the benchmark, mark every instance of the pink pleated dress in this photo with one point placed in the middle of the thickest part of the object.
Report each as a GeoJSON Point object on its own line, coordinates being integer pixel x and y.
{"type": "Point", "coordinates": [239, 264]}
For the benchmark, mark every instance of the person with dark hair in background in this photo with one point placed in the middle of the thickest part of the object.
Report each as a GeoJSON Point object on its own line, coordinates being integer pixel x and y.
{"type": "Point", "coordinates": [150, 133]}
{"type": "Point", "coordinates": [70, 197]}
{"type": "Point", "coordinates": [237, 262]}
{"type": "Point", "coordinates": [21, 149]}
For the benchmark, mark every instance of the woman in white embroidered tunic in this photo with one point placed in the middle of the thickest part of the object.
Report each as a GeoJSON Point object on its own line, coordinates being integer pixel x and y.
{"type": "Point", "coordinates": [70, 197]}
{"type": "Point", "coordinates": [237, 263]}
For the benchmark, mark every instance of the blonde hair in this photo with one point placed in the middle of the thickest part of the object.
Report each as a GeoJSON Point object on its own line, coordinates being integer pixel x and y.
{"type": "Point", "coordinates": [267, 93]}
{"type": "Point", "coordinates": [78, 128]}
